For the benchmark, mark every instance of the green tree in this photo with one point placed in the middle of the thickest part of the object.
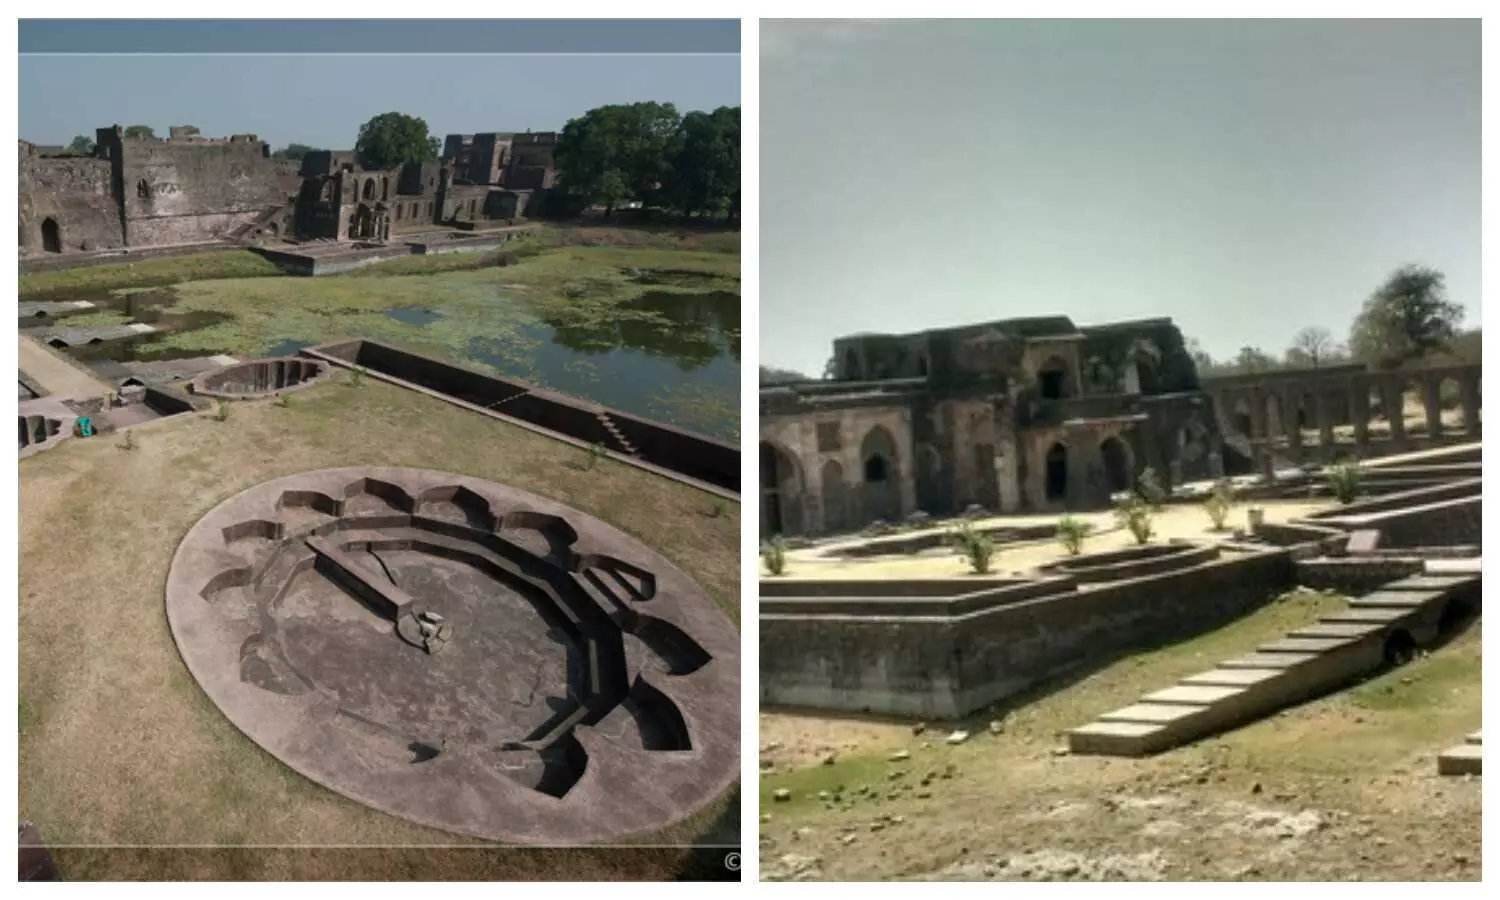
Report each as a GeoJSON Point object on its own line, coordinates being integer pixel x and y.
{"type": "Point", "coordinates": [81, 145]}
{"type": "Point", "coordinates": [140, 131]}
{"type": "Point", "coordinates": [393, 139]}
{"type": "Point", "coordinates": [704, 170]}
{"type": "Point", "coordinates": [1407, 318]}
{"type": "Point", "coordinates": [614, 154]}
{"type": "Point", "coordinates": [294, 151]}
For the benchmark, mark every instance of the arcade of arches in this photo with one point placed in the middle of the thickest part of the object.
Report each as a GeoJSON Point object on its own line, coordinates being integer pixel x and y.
{"type": "Point", "coordinates": [831, 470]}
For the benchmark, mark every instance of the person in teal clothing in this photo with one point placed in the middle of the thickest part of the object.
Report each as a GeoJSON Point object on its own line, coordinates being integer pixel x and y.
{"type": "Point", "coordinates": [85, 427]}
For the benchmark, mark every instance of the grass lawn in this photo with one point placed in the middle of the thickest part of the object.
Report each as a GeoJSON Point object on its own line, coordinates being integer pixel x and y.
{"type": "Point", "coordinates": [119, 746]}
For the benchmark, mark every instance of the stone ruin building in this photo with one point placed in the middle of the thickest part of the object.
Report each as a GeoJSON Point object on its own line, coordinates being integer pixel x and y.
{"type": "Point", "coordinates": [187, 189]}
{"type": "Point", "coordinates": [1039, 415]}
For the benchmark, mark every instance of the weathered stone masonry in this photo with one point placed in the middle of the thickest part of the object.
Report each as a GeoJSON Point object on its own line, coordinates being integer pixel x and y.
{"type": "Point", "coordinates": [187, 189]}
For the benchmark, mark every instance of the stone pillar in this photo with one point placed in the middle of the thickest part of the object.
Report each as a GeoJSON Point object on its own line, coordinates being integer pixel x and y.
{"type": "Point", "coordinates": [1325, 424]}
{"type": "Point", "coordinates": [1291, 425]}
{"type": "Point", "coordinates": [1359, 414]}
{"type": "Point", "coordinates": [1432, 403]}
{"type": "Point", "coordinates": [1257, 415]}
{"type": "Point", "coordinates": [1215, 465]}
{"type": "Point", "coordinates": [1266, 460]}
{"type": "Point", "coordinates": [1395, 411]}
{"type": "Point", "coordinates": [1007, 476]}
{"type": "Point", "coordinates": [1174, 473]}
{"type": "Point", "coordinates": [1468, 392]}
{"type": "Point", "coordinates": [812, 493]}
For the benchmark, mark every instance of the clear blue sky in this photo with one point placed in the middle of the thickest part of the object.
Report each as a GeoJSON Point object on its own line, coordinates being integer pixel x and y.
{"type": "Point", "coordinates": [322, 100]}
{"type": "Point", "coordinates": [1247, 178]}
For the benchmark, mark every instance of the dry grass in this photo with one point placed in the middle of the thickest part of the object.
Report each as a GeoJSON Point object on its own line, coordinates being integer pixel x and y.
{"type": "Point", "coordinates": [119, 746]}
{"type": "Point", "coordinates": [1363, 759]}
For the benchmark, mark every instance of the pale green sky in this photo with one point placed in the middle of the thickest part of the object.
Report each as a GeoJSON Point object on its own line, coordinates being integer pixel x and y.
{"type": "Point", "coordinates": [1247, 178]}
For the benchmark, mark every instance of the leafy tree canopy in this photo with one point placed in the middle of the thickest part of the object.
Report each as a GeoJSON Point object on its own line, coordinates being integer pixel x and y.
{"type": "Point", "coordinates": [1407, 318]}
{"type": "Point", "coordinates": [393, 139]}
{"type": "Point", "coordinates": [704, 171]}
{"type": "Point", "coordinates": [614, 154]}
{"type": "Point", "coordinates": [81, 145]}
{"type": "Point", "coordinates": [140, 131]}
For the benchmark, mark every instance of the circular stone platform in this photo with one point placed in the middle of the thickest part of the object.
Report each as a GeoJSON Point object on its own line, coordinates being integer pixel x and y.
{"type": "Point", "coordinates": [259, 378]}
{"type": "Point", "coordinates": [461, 654]}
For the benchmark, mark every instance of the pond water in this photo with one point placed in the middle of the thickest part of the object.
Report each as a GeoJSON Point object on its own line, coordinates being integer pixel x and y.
{"type": "Point", "coordinates": [669, 355]}
{"type": "Point", "coordinates": [681, 366]}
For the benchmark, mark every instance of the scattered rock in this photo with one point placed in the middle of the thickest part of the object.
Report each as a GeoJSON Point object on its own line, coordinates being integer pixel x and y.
{"type": "Point", "coordinates": [1256, 788]}
{"type": "Point", "coordinates": [1060, 751]}
{"type": "Point", "coordinates": [900, 756]}
{"type": "Point", "coordinates": [958, 737]}
{"type": "Point", "coordinates": [781, 795]}
{"type": "Point", "coordinates": [830, 758]}
{"type": "Point", "coordinates": [996, 727]}
{"type": "Point", "coordinates": [919, 728]}
{"type": "Point", "coordinates": [771, 747]}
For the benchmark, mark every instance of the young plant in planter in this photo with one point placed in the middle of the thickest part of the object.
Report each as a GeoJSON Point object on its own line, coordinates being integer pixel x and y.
{"type": "Point", "coordinates": [1135, 515]}
{"type": "Point", "coordinates": [1220, 503]}
{"type": "Point", "coordinates": [976, 547]}
{"type": "Point", "coordinates": [1345, 480]}
{"type": "Point", "coordinates": [773, 554]}
{"type": "Point", "coordinates": [1071, 531]}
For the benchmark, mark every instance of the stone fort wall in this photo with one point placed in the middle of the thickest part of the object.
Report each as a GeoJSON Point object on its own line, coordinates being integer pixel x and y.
{"type": "Point", "coordinates": [75, 194]}
{"type": "Point", "coordinates": [188, 191]}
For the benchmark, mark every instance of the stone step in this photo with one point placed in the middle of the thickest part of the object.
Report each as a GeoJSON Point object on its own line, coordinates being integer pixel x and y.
{"type": "Point", "coordinates": [1327, 629]}
{"type": "Point", "coordinates": [1472, 738]}
{"type": "Point", "coordinates": [1392, 599]}
{"type": "Point", "coordinates": [1376, 615]}
{"type": "Point", "coordinates": [1465, 759]}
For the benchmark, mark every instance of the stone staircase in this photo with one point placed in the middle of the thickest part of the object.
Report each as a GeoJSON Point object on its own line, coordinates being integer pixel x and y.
{"type": "Point", "coordinates": [614, 432]}
{"type": "Point", "coordinates": [1464, 759]}
{"type": "Point", "coordinates": [242, 231]}
{"type": "Point", "coordinates": [1379, 629]}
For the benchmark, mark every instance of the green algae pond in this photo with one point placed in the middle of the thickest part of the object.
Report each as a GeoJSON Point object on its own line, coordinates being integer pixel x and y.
{"type": "Point", "coordinates": [649, 329]}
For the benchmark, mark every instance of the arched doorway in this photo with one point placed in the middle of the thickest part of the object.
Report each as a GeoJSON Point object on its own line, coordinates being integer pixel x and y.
{"type": "Point", "coordinates": [835, 498]}
{"type": "Point", "coordinates": [1052, 379]}
{"type": "Point", "coordinates": [779, 488]}
{"type": "Point", "coordinates": [369, 191]}
{"type": "Point", "coordinates": [51, 236]}
{"type": "Point", "coordinates": [1117, 464]}
{"type": "Point", "coordinates": [881, 484]}
{"type": "Point", "coordinates": [1057, 473]}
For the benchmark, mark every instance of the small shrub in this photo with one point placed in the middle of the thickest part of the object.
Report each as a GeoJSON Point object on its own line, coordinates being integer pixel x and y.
{"type": "Point", "coordinates": [976, 547]}
{"type": "Point", "coordinates": [356, 377]}
{"type": "Point", "coordinates": [1135, 515]}
{"type": "Point", "coordinates": [128, 441]}
{"type": "Point", "coordinates": [282, 400]}
{"type": "Point", "coordinates": [718, 509]}
{"type": "Point", "coordinates": [596, 453]}
{"type": "Point", "coordinates": [221, 412]}
{"type": "Point", "coordinates": [1220, 503]}
{"type": "Point", "coordinates": [1071, 531]}
{"type": "Point", "coordinates": [1344, 480]}
{"type": "Point", "coordinates": [773, 554]}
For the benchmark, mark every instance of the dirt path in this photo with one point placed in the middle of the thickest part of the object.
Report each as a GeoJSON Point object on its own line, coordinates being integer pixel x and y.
{"type": "Point", "coordinates": [1344, 788]}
